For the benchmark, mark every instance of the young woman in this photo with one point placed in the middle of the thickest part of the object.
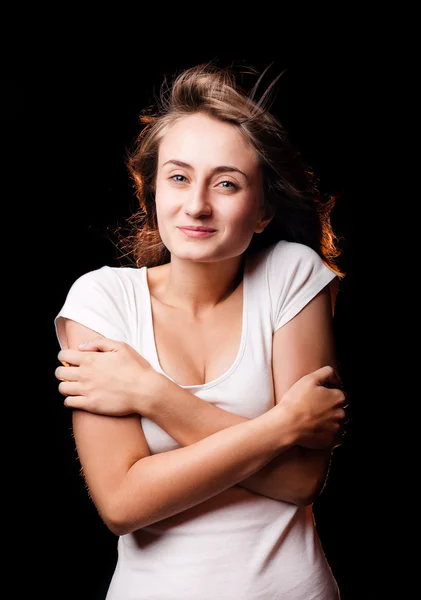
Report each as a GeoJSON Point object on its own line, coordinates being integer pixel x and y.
{"type": "Point", "coordinates": [202, 379]}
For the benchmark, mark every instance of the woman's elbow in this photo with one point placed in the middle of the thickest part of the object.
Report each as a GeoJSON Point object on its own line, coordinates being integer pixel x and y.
{"type": "Point", "coordinates": [117, 527]}
{"type": "Point", "coordinates": [311, 493]}
{"type": "Point", "coordinates": [116, 516]}
{"type": "Point", "coordinates": [299, 498]}
{"type": "Point", "coordinates": [306, 492]}
{"type": "Point", "coordinates": [306, 499]}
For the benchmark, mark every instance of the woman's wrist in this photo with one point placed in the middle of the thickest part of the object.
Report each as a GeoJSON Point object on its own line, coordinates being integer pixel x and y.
{"type": "Point", "coordinates": [279, 427]}
{"type": "Point", "coordinates": [158, 390]}
{"type": "Point", "coordinates": [162, 390]}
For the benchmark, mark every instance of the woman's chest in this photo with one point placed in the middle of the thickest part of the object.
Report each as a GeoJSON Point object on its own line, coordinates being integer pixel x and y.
{"type": "Point", "coordinates": [247, 391]}
{"type": "Point", "coordinates": [197, 351]}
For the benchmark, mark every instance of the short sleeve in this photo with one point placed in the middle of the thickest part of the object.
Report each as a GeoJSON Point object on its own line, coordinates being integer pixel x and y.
{"type": "Point", "coordinates": [95, 300]}
{"type": "Point", "coordinates": [296, 274]}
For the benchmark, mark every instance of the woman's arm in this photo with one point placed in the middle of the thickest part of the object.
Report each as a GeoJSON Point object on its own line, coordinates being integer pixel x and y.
{"type": "Point", "coordinates": [132, 489]}
{"type": "Point", "coordinates": [298, 474]}
{"type": "Point", "coordinates": [302, 345]}
{"type": "Point", "coordinates": [295, 476]}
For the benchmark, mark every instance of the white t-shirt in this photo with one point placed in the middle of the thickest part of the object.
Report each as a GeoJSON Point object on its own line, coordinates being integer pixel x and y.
{"type": "Point", "coordinates": [237, 545]}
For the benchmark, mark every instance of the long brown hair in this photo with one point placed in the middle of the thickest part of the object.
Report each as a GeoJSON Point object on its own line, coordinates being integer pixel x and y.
{"type": "Point", "coordinates": [290, 192]}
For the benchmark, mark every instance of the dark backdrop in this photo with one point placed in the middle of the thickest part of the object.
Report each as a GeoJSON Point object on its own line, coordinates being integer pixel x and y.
{"type": "Point", "coordinates": [75, 131]}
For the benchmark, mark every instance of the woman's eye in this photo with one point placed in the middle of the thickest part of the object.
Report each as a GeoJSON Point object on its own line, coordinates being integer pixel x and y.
{"type": "Point", "coordinates": [227, 184]}
{"type": "Point", "coordinates": [178, 178]}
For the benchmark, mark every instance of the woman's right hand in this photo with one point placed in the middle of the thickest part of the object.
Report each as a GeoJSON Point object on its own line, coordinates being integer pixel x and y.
{"type": "Point", "coordinates": [315, 409]}
{"type": "Point", "coordinates": [107, 377]}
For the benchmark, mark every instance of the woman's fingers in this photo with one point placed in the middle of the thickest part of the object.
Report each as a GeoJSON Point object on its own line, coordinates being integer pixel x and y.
{"type": "Point", "coordinates": [75, 402]}
{"type": "Point", "coordinates": [99, 344]}
{"type": "Point", "coordinates": [70, 357]}
{"type": "Point", "coordinates": [69, 388]}
{"type": "Point", "coordinates": [66, 373]}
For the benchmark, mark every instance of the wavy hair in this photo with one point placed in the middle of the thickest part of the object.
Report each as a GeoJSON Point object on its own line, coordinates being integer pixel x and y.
{"type": "Point", "coordinates": [290, 192]}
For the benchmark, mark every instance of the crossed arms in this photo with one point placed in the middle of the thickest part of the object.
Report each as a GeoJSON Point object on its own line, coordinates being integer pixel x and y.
{"type": "Point", "coordinates": [132, 489]}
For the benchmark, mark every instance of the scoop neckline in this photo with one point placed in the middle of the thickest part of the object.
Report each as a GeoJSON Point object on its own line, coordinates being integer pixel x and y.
{"type": "Point", "coordinates": [242, 346]}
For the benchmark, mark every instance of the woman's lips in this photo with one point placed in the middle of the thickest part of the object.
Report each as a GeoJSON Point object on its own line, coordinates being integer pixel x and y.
{"type": "Point", "coordinates": [197, 231]}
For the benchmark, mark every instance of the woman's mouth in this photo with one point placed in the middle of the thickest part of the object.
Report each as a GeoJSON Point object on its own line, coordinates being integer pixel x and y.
{"type": "Point", "coordinates": [197, 231]}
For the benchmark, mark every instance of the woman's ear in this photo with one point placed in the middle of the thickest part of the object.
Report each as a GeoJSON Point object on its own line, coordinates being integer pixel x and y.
{"type": "Point", "coordinates": [263, 221]}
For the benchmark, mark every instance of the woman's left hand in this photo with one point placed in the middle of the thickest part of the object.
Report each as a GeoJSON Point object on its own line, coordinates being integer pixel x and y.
{"type": "Point", "coordinates": [106, 377]}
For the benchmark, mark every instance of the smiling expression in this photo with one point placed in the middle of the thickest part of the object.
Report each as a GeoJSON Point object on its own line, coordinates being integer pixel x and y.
{"type": "Point", "coordinates": [208, 190]}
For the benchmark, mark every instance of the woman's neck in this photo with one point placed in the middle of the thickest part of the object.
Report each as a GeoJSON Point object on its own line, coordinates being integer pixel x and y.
{"type": "Point", "coordinates": [197, 288]}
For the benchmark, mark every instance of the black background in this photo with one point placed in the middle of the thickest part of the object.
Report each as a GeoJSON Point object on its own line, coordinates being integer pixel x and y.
{"type": "Point", "coordinates": [69, 136]}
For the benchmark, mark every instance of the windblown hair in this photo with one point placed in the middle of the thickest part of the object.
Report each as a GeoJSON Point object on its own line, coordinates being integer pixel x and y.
{"type": "Point", "coordinates": [290, 192]}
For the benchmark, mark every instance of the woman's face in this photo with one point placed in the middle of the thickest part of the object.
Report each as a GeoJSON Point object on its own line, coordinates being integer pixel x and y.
{"type": "Point", "coordinates": [209, 177]}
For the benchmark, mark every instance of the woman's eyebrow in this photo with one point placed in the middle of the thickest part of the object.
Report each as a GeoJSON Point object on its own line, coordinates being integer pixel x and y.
{"type": "Point", "coordinates": [219, 169]}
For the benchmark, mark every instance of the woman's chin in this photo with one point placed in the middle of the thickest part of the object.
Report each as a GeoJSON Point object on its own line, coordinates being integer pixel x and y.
{"type": "Point", "coordinates": [198, 257]}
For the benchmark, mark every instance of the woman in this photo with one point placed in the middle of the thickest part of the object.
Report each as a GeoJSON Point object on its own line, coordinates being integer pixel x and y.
{"type": "Point", "coordinates": [202, 378]}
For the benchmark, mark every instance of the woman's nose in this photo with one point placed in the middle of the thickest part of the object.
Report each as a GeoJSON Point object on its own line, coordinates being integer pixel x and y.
{"type": "Point", "coordinates": [198, 203]}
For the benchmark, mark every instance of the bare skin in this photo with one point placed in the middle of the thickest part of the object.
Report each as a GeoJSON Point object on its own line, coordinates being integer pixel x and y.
{"type": "Point", "coordinates": [207, 175]}
{"type": "Point", "coordinates": [118, 467]}
{"type": "Point", "coordinates": [297, 475]}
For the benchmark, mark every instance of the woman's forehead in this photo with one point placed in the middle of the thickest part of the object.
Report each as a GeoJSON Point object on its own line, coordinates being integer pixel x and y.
{"type": "Point", "coordinates": [199, 139]}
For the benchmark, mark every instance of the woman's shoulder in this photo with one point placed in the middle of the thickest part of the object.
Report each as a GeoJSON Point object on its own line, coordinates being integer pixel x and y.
{"type": "Point", "coordinates": [285, 262]}
{"type": "Point", "coordinates": [105, 284]}
{"type": "Point", "coordinates": [107, 274]}
{"type": "Point", "coordinates": [293, 249]}
{"type": "Point", "coordinates": [287, 253]}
